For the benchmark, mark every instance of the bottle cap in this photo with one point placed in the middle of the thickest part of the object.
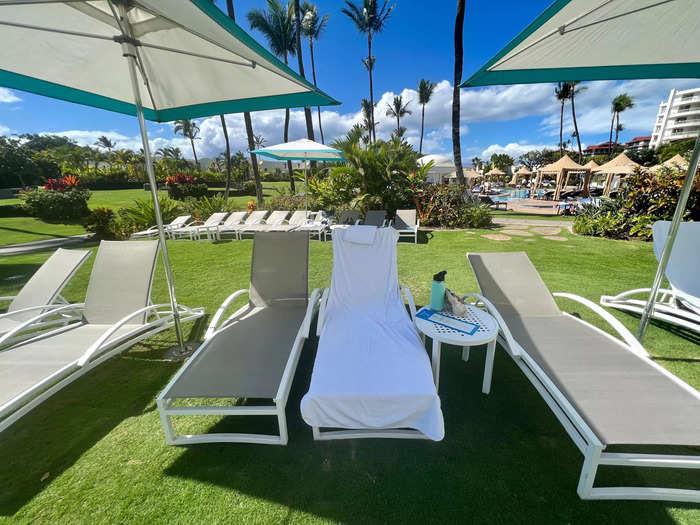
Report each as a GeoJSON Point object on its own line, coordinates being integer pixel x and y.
{"type": "Point", "coordinates": [440, 276]}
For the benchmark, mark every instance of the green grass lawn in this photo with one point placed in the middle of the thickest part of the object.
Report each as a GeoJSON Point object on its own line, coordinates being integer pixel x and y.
{"type": "Point", "coordinates": [95, 451]}
{"type": "Point", "coordinates": [14, 230]}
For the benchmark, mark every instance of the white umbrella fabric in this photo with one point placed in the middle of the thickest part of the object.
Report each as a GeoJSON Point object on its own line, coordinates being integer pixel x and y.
{"type": "Point", "coordinates": [302, 149]}
{"type": "Point", "coordinates": [160, 60]}
{"type": "Point", "coordinates": [575, 40]}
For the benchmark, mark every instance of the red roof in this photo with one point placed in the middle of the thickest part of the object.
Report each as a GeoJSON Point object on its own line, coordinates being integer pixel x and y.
{"type": "Point", "coordinates": [640, 139]}
{"type": "Point", "coordinates": [598, 146]}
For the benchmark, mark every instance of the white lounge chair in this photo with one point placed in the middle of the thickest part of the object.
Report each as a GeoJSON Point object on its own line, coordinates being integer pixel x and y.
{"type": "Point", "coordinates": [254, 352]}
{"type": "Point", "coordinates": [407, 223]}
{"type": "Point", "coordinates": [117, 313]}
{"type": "Point", "coordinates": [347, 218]}
{"type": "Point", "coordinates": [297, 219]}
{"type": "Point", "coordinates": [194, 231]}
{"type": "Point", "coordinates": [372, 376]}
{"type": "Point", "coordinates": [679, 305]}
{"type": "Point", "coordinates": [276, 218]}
{"type": "Point", "coordinates": [234, 220]}
{"type": "Point", "coordinates": [316, 224]}
{"type": "Point", "coordinates": [41, 293]}
{"type": "Point", "coordinates": [177, 222]}
{"type": "Point", "coordinates": [256, 217]}
{"type": "Point", "coordinates": [606, 392]}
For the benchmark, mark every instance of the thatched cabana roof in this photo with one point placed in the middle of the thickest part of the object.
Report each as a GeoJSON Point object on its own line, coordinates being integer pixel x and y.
{"type": "Point", "coordinates": [620, 165]}
{"type": "Point", "coordinates": [677, 162]}
{"type": "Point", "coordinates": [563, 164]}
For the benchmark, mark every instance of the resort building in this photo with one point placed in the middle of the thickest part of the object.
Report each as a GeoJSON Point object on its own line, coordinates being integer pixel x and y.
{"type": "Point", "coordinates": [678, 118]}
{"type": "Point", "coordinates": [638, 143]}
{"type": "Point", "coordinates": [597, 149]}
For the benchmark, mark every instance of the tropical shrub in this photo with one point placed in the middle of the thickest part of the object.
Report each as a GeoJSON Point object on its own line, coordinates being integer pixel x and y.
{"type": "Point", "coordinates": [180, 186]}
{"type": "Point", "coordinates": [451, 206]}
{"type": "Point", "coordinates": [204, 207]}
{"type": "Point", "coordinates": [107, 225]}
{"type": "Point", "coordinates": [286, 201]}
{"type": "Point", "coordinates": [249, 188]}
{"type": "Point", "coordinates": [142, 215]}
{"type": "Point", "coordinates": [60, 199]}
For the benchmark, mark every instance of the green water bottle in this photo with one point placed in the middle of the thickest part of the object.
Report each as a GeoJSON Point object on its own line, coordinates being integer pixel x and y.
{"type": "Point", "coordinates": [437, 292]}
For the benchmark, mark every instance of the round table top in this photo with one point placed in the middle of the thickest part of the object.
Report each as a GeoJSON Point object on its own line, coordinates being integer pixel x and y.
{"type": "Point", "coordinates": [487, 331]}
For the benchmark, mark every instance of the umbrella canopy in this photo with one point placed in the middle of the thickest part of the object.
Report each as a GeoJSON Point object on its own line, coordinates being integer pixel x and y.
{"type": "Point", "coordinates": [676, 162]}
{"type": "Point", "coordinates": [564, 163]}
{"type": "Point", "coordinates": [302, 149]}
{"type": "Point", "coordinates": [523, 170]}
{"type": "Point", "coordinates": [194, 60]}
{"type": "Point", "coordinates": [600, 40]}
{"type": "Point", "coordinates": [620, 165]}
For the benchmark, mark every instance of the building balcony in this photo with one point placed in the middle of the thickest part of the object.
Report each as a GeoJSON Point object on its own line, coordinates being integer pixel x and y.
{"type": "Point", "coordinates": [694, 122]}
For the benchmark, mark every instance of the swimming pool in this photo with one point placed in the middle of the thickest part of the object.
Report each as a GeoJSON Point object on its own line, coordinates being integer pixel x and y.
{"type": "Point", "coordinates": [513, 195]}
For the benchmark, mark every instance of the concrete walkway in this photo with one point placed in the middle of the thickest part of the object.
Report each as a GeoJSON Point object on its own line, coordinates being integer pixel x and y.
{"type": "Point", "coordinates": [46, 244]}
{"type": "Point", "coordinates": [507, 221]}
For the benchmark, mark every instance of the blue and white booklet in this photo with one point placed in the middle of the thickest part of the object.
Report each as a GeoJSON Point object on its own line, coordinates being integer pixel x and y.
{"type": "Point", "coordinates": [449, 321]}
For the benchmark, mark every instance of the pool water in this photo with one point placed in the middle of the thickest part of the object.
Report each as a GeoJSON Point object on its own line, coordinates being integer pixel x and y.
{"type": "Point", "coordinates": [513, 195]}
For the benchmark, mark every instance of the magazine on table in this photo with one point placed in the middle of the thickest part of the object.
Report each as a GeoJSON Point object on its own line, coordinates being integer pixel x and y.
{"type": "Point", "coordinates": [448, 321]}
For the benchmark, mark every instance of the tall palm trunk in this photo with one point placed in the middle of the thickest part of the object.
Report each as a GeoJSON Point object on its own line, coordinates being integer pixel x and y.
{"type": "Point", "coordinates": [561, 130]}
{"type": "Point", "coordinates": [249, 130]}
{"type": "Point", "coordinates": [313, 72]}
{"type": "Point", "coordinates": [610, 143]}
{"type": "Point", "coordinates": [300, 59]}
{"type": "Point", "coordinates": [398, 124]}
{"type": "Point", "coordinates": [286, 139]}
{"type": "Point", "coordinates": [194, 152]}
{"type": "Point", "coordinates": [370, 67]}
{"type": "Point", "coordinates": [459, 53]}
{"type": "Point", "coordinates": [228, 158]}
{"type": "Point", "coordinates": [422, 127]}
{"type": "Point", "coordinates": [573, 116]}
{"type": "Point", "coordinates": [617, 130]}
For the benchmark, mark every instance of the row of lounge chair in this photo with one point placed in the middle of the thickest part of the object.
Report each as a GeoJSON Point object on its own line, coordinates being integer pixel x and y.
{"type": "Point", "coordinates": [371, 376]}
{"type": "Point", "coordinates": [238, 224]}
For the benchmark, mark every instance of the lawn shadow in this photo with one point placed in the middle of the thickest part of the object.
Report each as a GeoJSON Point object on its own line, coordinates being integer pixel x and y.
{"type": "Point", "coordinates": [53, 436]}
{"type": "Point", "coordinates": [504, 459]}
{"type": "Point", "coordinates": [679, 331]}
{"type": "Point", "coordinates": [40, 234]}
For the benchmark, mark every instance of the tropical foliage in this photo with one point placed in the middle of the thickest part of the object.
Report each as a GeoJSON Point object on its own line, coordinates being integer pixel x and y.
{"type": "Point", "coordinates": [450, 206]}
{"type": "Point", "coordinates": [60, 200]}
{"type": "Point", "coordinates": [181, 186]}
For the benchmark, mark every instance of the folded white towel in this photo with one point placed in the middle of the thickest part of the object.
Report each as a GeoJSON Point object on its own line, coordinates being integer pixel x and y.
{"type": "Point", "coordinates": [360, 234]}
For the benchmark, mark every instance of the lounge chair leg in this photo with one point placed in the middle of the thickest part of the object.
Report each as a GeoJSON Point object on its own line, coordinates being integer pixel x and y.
{"type": "Point", "coordinates": [436, 362]}
{"type": "Point", "coordinates": [488, 367]}
{"type": "Point", "coordinates": [588, 472]}
{"type": "Point", "coordinates": [282, 419]}
{"type": "Point", "coordinates": [165, 421]}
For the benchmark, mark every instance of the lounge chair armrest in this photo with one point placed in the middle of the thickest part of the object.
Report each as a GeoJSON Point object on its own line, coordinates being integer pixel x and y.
{"type": "Point", "coordinates": [322, 310]}
{"type": "Point", "coordinates": [411, 303]}
{"type": "Point", "coordinates": [7, 297]}
{"type": "Point", "coordinates": [621, 329]}
{"type": "Point", "coordinates": [46, 307]}
{"type": "Point", "coordinates": [217, 316]}
{"type": "Point", "coordinates": [513, 348]}
{"type": "Point", "coordinates": [311, 310]}
{"type": "Point", "coordinates": [27, 324]}
{"type": "Point", "coordinates": [97, 345]}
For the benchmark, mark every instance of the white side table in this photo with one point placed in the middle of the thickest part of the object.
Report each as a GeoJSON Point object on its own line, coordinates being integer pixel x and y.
{"type": "Point", "coordinates": [486, 334]}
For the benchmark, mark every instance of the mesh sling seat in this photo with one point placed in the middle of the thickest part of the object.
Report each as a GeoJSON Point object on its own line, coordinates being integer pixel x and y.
{"type": "Point", "coordinates": [252, 354]}
{"type": "Point", "coordinates": [194, 231]}
{"type": "Point", "coordinates": [276, 218]}
{"type": "Point", "coordinates": [117, 313]}
{"type": "Point", "coordinates": [407, 223]}
{"type": "Point", "coordinates": [297, 220]}
{"type": "Point", "coordinates": [41, 293]}
{"type": "Point", "coordinates": [177, 222]}
{"type": "Point", "coordinates": [605, 391]}
{"type": "Point", "coordinates": [372, 376]}
{"type": "Point", "coordinates": [256, 217]}
{"type": "Point", "coordinates": [375, 218]}
{"type": "Point", "coordinates": [679, 305]}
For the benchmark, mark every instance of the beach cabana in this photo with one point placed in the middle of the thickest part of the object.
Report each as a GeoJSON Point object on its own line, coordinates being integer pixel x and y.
{"type": "Point", "coordinates": [618, 167]}
{"type": "Point", "coordinates": [495, 172]}
{"type": "Point", "coordinates": [523, 171]}
{"type": "Point", "coordinates": [676, 162]}
{"type": "Point", "coordinates": [592, 166]}
{"type": "Point", "coordinates": [157, 60]}
{"type": "Point", "coordinates": [561, 168]}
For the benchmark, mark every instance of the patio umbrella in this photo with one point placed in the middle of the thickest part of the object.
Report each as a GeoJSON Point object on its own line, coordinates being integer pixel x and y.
{"type": "Point", "coordinates": [607, 40]}
{"type": "Point", "coordinates": [156, 59]}
{"type": "Point", "coordinates": [302, 149]}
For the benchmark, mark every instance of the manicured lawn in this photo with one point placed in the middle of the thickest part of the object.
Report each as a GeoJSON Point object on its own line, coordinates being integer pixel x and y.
{"type": "Point", "coordinates": [14, 230]}
{"type": "Point", "coordinates": [505, 458]}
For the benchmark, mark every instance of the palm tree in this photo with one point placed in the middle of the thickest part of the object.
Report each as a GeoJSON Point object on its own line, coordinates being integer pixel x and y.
{"type": "Point", "coordinates": [249, 128]}
{"type": "Point", "coordinates": [425, 93]}
{"type": "Point", "coordinates": [367, 112]}
{"type": "Point", "coordinates": [312, 26]}
{"type": "Point", "coordinates": [276, 23]}
{"type": "Point", "coordinates": [300, 59]}
{"type": "Point", "coordinates": [562, 92]}
{"type": "Point", "coordinates": [104, 142]}
{"type": "Point", "coordinates": [459, 57]}
{"type": "Point", "coordinates": [370, 19]}
{"type": "Point", "coordinates": [575, 90]}
{"type": "Point", "coordinates": [189, 129]}
{"type": "Point", "coordinates": [620, 103]}
{"type": "Point", "coordinates": [398, 109]}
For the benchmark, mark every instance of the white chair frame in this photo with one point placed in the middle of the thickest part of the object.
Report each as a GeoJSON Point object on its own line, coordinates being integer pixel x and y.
{"type": "Point", "coordinates": [584, 438]}
{"type": "Point", "coordinates": [97, 353]}
{"type": "Point", "coordinates": [668, 306]}
{"type": "Point", "coordinates": [167, 409]}
{"type": "Point", "coordinates": [362, 433]}
{"type": "Point", "coordinates": [410, 232]}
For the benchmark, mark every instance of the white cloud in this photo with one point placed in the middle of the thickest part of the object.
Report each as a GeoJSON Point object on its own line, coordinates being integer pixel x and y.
{"type": "Point", "coordinates": [514, 149]}
{"type": "Point", "coordinates": [4, 130]}
{"type": "Point", "coordinates": [8, 97]}
{"type": "Point", "coordinates": [89, 137]}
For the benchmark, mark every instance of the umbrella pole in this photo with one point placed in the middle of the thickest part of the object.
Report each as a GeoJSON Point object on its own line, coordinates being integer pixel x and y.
{"type": "Point", "coordinates": [154, 193]}
{"type": "Point", "coordinates": [670, 239]}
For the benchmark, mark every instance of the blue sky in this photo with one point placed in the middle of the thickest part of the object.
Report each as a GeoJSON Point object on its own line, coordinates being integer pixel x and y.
{"type": "Point", "coordinates": [417, 43]}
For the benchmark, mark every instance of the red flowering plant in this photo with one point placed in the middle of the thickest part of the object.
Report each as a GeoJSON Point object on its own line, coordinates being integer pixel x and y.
{"type": "Point", "coordinates": [60, 199]}
{"type": "Point", "coordinates": [65, 183]}
{"type": "Point", "coordinates": [181, 186]}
